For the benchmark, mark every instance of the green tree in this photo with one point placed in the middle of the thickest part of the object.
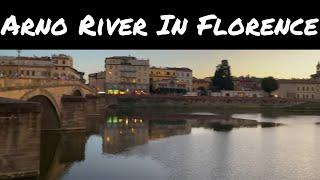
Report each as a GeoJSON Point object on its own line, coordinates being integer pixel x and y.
{"type": "Point", "coordinates": [269, 84]}
{"type": "Point", "coordinates": [222, 79]}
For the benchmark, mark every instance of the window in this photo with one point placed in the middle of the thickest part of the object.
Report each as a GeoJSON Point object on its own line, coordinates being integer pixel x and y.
{"type": "Point", "coordinates": [63, 68]}
{"type": "Point", "coordinates": [298, 88]}
{"type": "Point", "coordinates": [168, 73]}
{"type": "Point", "coordinates": [28, 73]}
{"type": "Point", "coordinates": [110, 67]}
{"type": "Point", "coordinates": [188, 75]}
{"type": "Point", "coordinates": [303, 88]}
{"type": "Point", "coordinates": [63, 62]}
{"type": "Point", "coordinates": [22, 72]}
{"type": "Point", "coordinates": [33, 73]}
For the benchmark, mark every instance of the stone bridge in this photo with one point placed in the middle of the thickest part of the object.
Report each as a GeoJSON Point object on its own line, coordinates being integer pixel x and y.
{"type": "Point", "coordinates": [61, 100]}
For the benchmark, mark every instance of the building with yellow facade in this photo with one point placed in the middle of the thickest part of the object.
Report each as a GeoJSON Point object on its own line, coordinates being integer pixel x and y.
{"type": "Point", "coordinates": [126, 75]}
{"type": "Point", "coordinates": [171, 78]}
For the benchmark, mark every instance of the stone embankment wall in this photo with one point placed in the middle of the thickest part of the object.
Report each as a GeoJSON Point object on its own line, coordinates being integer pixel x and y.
{"type": "Point", "coordinates": [206, 101]}
{"type": "Point", "coordinates": [19, 139]}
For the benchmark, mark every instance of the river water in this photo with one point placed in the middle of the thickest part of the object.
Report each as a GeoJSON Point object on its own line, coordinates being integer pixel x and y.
{"type": "Point", "coordinates": [126, 146]}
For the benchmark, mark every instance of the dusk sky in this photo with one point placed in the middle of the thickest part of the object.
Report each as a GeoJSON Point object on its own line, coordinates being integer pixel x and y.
{"type": "Point", "coordinates": [259, 63]}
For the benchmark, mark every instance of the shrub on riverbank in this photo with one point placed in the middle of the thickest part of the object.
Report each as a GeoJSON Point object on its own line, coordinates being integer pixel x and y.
{"type": "Point", "coordinates": [221, 127]}
{"type": "Point", "coordinates": [269, 124]}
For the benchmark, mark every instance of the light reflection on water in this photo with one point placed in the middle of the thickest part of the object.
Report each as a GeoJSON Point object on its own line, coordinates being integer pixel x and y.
{"type": "Point", "coordinates": [133, 147]}
{"type": "Point", "coordinates": [178, 151]}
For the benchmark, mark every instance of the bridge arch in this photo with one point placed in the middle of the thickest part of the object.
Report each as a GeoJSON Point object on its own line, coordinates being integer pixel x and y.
{"type": "Point", "coordinates": [50, 108]}
{"type": "Point", "coordinates": [77, 92]}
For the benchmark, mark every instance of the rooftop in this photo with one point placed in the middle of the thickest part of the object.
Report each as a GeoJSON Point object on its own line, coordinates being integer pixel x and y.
{"type": "Point", "coordinates": [122, 57]}
{"type": "Point", "coordinates": [298, 81]}
{"type": "Point", "coordinates": [172, 68]}
{"type": "Point", "coordinates": [41, 58]}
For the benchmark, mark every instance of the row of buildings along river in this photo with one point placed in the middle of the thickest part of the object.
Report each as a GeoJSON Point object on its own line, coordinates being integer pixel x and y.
{"type": "Point", "coordinates": [127, 74]}
{"type": "Point", "coordinates": [54, 67]}
{"type": "Point", "coordinates": [132, 75]}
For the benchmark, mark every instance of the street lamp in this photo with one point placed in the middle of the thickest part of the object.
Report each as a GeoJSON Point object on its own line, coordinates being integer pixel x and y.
{"type": "Point", "coordinates": [18, 62]}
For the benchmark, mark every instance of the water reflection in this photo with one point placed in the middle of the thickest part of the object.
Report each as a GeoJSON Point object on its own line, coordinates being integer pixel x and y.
{"type": "Point", "coordinates": [119, 133]}
{"type": "Point", "coordinates": [127, 147]}
{"type": "Point", "coordinates": [165, 128]}
{"type": "Point", "coordinates": [59, 151]}
{"type": "Point", "coordinates": [122, 132]}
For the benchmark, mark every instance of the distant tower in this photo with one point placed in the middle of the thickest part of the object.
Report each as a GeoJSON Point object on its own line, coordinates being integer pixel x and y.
{"type": "Point", "coordinates": [316, 76]}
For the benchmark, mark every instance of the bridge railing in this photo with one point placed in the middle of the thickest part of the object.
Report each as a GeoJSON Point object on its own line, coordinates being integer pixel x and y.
{"type": "Point", "coordinates": [9, 83]}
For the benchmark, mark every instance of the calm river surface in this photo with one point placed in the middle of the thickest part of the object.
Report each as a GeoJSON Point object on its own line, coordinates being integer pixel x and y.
{"type": "Point", "coordinates": [128, 147]}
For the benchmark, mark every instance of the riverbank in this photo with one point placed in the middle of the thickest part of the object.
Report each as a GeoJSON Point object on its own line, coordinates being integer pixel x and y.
{"type": "Point", "coordinates": [214, 103]}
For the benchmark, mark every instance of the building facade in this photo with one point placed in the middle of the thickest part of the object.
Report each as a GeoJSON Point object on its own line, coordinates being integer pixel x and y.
{"type": "Point", "coordinates": [298, 89]}
{"type": "Point", "coordinates": [198, 83]}
{"type": "Point", "coordinates": [55, 67]}
{"type": "Point", "coordinates": [171, 78]}
{"type": "Point", "coordinates": [97, 81]}
{"type": "Point", "coordinates": [246, 83]}
{"type": "Point", "coordinates": [126, 75]}
{"type": "Point", "coordinates": [306, 89]}
{"type": "Point", "coordinates": [247, 94]}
